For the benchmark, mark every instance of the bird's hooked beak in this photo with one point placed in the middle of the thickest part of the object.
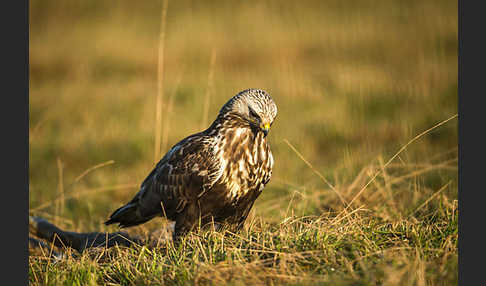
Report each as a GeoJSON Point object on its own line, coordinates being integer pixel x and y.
{"type": "Point", "coordinates": [265, 127]}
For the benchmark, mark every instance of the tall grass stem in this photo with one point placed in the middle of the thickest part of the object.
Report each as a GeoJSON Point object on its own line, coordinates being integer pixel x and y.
{"type": "Point", "coordinates": [160, 75]}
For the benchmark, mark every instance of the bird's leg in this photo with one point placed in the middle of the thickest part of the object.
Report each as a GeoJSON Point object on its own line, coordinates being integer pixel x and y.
{"type": "Point", "coordinates": [210, 224]}
{"type": "Point", "coordinates": [182, 227]}
{"type": "Point", "coordinates": [187, 220]}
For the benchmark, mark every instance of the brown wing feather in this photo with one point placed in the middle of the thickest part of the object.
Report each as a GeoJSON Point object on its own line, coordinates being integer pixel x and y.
{"type": "Point", "coordinates": [183, 174]}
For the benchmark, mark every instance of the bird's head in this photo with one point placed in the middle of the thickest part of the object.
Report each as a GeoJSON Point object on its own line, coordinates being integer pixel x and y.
{"type": "Point", "coordinates": [255, 106]}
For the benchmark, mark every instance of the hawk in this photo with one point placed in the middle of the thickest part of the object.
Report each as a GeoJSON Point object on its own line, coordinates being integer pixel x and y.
{"type": "Point", "coordinates": [213, 176]}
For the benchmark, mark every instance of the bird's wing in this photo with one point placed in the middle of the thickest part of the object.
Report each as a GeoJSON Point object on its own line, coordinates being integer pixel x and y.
{"type": "Point", "coordinates": [186, 172]}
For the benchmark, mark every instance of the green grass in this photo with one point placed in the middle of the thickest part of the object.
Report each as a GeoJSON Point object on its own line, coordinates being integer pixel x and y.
{"type": "Point", "coordinates": [354, 81]}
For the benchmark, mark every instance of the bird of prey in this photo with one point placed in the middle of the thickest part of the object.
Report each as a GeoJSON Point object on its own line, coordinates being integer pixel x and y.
{"type": "Point", "coordinates": [213, 176]}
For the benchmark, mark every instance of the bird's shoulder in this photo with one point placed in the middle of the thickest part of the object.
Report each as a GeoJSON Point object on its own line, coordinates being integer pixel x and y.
{"type": "Point", "coordinates": [189, 162]}
{"type": "Point", "coordinates": [191, 154]}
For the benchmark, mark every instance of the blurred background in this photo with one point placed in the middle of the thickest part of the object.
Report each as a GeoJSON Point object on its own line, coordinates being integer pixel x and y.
{"type": "Point", "coordinates": [354, 81]}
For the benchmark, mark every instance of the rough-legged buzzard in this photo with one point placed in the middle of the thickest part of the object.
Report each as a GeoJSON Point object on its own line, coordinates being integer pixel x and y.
{"type": "Point", "coordinates": [212, 176]}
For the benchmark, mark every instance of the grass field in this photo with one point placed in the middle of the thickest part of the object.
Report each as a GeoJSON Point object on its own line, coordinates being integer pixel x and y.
{"type": "Point", "coordinates": [356, 83]}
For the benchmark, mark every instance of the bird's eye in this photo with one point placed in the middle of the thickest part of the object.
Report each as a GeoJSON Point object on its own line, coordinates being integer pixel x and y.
{"type": "Point", "coordinates": [253, 113]}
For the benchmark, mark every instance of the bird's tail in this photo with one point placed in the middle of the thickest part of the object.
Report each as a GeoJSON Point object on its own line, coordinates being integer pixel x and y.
{"type": "Point", "coordinates": [127, 215]}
